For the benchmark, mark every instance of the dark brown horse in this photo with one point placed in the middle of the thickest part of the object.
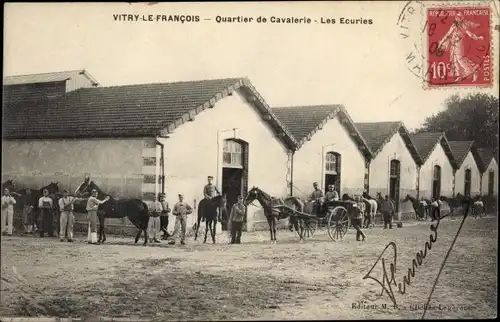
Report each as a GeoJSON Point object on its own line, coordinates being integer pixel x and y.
{"type": "Point", "coordinates": [135, 210]}
{"type": "Point", "coordinates": [272, 214]}
{"type": "Point", "coordinates": [418, 207]}
{"type": "Point", "coordinates": [208, 211]}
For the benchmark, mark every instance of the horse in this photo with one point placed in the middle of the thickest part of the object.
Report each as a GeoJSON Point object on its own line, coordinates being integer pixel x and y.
{"type": "Point", "coordinates": [371, 209]}
{"type": "Point", "coordinates": [135, 210]}
{"type": "Point", "coordinates": [208, 211]}
{"type": "Point", "coordinates": [454, 203]}
{"type": "Point", "coordinates": [269, 203]}
{"type": "Point", "coordinates": [420, 209]}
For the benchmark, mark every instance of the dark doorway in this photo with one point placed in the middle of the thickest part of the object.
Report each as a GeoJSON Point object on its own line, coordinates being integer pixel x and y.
{"type": "Point", "coordinates": [332, 170]}
{"type": "Point", "coordinates": [436, 182]}
{"type": "Point", "coordinates": [232, 179]}
{"type": "Point", "coordinates": [394, 182]}
{"type": "Point", "coordinates": [491, 182]}
{"type": "Point", "coordinates": [467, 182]}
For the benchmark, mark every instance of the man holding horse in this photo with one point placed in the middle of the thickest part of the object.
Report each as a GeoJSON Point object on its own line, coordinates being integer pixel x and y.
{"type": "Point", "coordinates": [155, 210]}
{"type": "Point", "coordinates": [164, 215]}
{"type": "Point", "coordinates": [181, 210]}
{"type": "Point", "coordinates": [46, 205]}
{"type": "Point", "coordinates": [92, 207]}
{"type": "Point", "coordinates": [8, 203]}
{"type": "Point", "coordinates": [67, 217]}
{"type": "Point", "coordinates": [236, 218]}
{"type": "Point", "coordinates": [210, 190]}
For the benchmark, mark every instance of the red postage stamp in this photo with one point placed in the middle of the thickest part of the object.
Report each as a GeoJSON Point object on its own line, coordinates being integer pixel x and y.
{"type": "Point", "coordinates": [459, 46]}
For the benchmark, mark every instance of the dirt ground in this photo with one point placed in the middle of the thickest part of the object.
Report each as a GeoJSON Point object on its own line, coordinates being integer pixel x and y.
{"type": "Point", "coordinates": [318, 279]}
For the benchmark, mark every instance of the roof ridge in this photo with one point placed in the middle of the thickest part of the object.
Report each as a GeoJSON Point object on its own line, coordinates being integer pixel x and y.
{"type": "Point", "coordinates": [395, 122]}
{"type": "Point", "coordinates": [306, 106]}
{"type": "Point", "coordinates": [175, 82]}
{"type": "Point", "coordinates": [62, 71]}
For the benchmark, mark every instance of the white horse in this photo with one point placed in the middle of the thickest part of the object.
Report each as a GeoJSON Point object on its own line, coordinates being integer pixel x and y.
{"type": "Point", "coordinates": [371, 212]}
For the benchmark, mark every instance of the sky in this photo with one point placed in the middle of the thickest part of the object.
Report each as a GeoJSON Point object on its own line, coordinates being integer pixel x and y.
{"type": "Point", "coordinates": [361, 66]}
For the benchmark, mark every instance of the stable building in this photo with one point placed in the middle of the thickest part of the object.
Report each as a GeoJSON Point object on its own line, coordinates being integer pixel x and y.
{"type": "Point", "coordinates": [330, 150]}
{"type": "Point", "coordinates": [138, 140]}
{"type": "Point", "coordinates": [436, 174]}
{"type": "Point", "coordinates": [394, 163]}
{"type": "Point", "coordinates": [489, 176]}
{"type": "Point", "coordinates": [469, 165]}
{"type": "Point", "coordinates": [45, 86]}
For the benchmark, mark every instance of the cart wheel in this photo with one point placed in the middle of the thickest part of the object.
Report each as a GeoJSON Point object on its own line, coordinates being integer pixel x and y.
{"type": "Point", "coordinates": [310, 227]}
{"type": "Point", "coordinates": [338, 223]}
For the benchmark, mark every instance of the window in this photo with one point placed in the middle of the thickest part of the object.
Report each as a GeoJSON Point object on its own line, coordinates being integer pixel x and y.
{"type": "Point", "coordinates": [332, 163]}
{"type": "Point", "coordinates": [395, 168]}
{"type": "Point", "coordinates": [232, 154]}
{"type": "Point", "coordinates": [437, 173]}
{"type": "Point", "coordinates": [491, 182]}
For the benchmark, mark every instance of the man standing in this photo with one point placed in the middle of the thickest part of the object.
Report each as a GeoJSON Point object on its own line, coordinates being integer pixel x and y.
{"type": "Point", "coordinates": [181, 210]}
{"type": "Point", "coordinates": [67, 216]}
{"type": "Point", "coordinates": [154, 221]}
{"type": "Point", "coordinates": [8, 203]}
{"type": "Point", "coordinates": [316, 197]}
{"type": "Point", "coordinates": [164, 216]}
{"type": "Point", "coordinates": [387, 209]}
{"type": "Point", "coordinates": [46, 206]}
{"type": "Point", "coordinates": [210, 190]}
{"type": "Point", "coordinates": [357, 220]}
{"type": "Point", "coordinates": [237, 217]}
{"type": "Point", "coordinates": [92, 207]}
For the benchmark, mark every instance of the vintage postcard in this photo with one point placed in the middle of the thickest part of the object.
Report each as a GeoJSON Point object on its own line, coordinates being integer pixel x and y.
{"type": "Point", "coordinates": [250, 161]}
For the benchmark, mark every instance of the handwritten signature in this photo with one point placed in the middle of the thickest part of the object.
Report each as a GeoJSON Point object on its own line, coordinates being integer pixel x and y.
{"type": "Point", "coordinates": [389, 278]}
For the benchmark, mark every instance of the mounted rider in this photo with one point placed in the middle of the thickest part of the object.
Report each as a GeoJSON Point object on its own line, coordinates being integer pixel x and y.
{"type": "Point", "coordinates": [316, 197]}
{"type": "Point", "coordinates": [210, 190]}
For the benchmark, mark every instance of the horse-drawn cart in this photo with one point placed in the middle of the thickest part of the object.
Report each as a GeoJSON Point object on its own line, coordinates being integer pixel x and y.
{"type": "Point", "coordinates": [335, 215]}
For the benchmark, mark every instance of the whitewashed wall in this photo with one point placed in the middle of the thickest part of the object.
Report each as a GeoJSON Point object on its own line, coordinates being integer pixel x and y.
{"type": "Point", "coordinates": [191, 153]}
{"type": "Point", "coordinates": [395, 149]}
{"type": "Point", "coordinates": [469, 162]}
{"type": "Point", "coordinates": [309, 163]}
{"type": "Point", "coordinates": [437, 157]}
{"type": "Point", "coordinates": [114, 164]}
{"type": "Point", "coordinates": [493, 166]}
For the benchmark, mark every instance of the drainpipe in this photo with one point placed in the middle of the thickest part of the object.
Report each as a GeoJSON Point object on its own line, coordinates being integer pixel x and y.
{"type": "Point", "coordinates": [291, 174]}
{"type": "Point", "coordinates": [367, 175]}
{"type": "Point", "coordinates": [162, 163]}
{"type": "Point", "coordinates": [454, 183]}
{"type": "Point", "coordinates": [418, 182]}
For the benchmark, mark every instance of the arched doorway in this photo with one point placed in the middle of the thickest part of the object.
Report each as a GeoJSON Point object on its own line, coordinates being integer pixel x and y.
{"type": "Point", "coordinates": [234, 170]}
{"type": "Point", "coordinates": [467, 182]}
{"type": "Point", "coordinates": [333, 170]}
{"type": "Point", "coordinates": [394, 182]}
{"type": "Point", "coordinates": [491, 182]}
{"type": "Point", "coordinates": [436, 182]}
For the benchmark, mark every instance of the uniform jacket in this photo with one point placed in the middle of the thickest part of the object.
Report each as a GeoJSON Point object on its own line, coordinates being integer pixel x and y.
{"type": "Point", "coordinates": [182, 208]}
{"type": "Point", "coordinates": [237, 213]}
{"type": "Point", "coordinates": [210, 191]}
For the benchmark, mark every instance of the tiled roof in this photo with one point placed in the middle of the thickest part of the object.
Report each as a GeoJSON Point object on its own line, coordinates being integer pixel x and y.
{"type": "Point", "coordinates": [486, 155]}
{"type": "Point", "coordinates": [46, 77]}
{"type": "Point", "coordinates": [304, 121]}
{"type": "Point", "coordinates": [378, 134]}
{"type": "Point", "coordinates": [426, 142]}
{"type": "Point", "coordinates": [128, 111]}
{"type": "Point", "coordinates": [460, 149]}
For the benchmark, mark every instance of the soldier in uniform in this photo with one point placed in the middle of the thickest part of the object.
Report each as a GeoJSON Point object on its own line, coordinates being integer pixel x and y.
{"type": "Point", "coordinates": [8, 203]}
{"type": "Point", "coordinates": [236, 218]}
{"type": "Point", "coordinates": [331, 194]}
{"type": "Point", "coordinates": [164, 216]}
{"type": "Point", "coordinates": [210, 190]}
{"type": "Point", "coordinates": [46, 206]}
{"type": "Point", "coordinates": [67, 217]}
{"type": "Point", "coordinates": [316, 197]}
{"type": "Point", "coordinates": [181, 210]}
{"type": "Point", "coordinates": [357, 220]}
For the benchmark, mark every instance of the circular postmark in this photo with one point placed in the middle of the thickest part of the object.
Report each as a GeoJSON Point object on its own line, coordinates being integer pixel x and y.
{"type": "Point", "coordinates": [447, 45]}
